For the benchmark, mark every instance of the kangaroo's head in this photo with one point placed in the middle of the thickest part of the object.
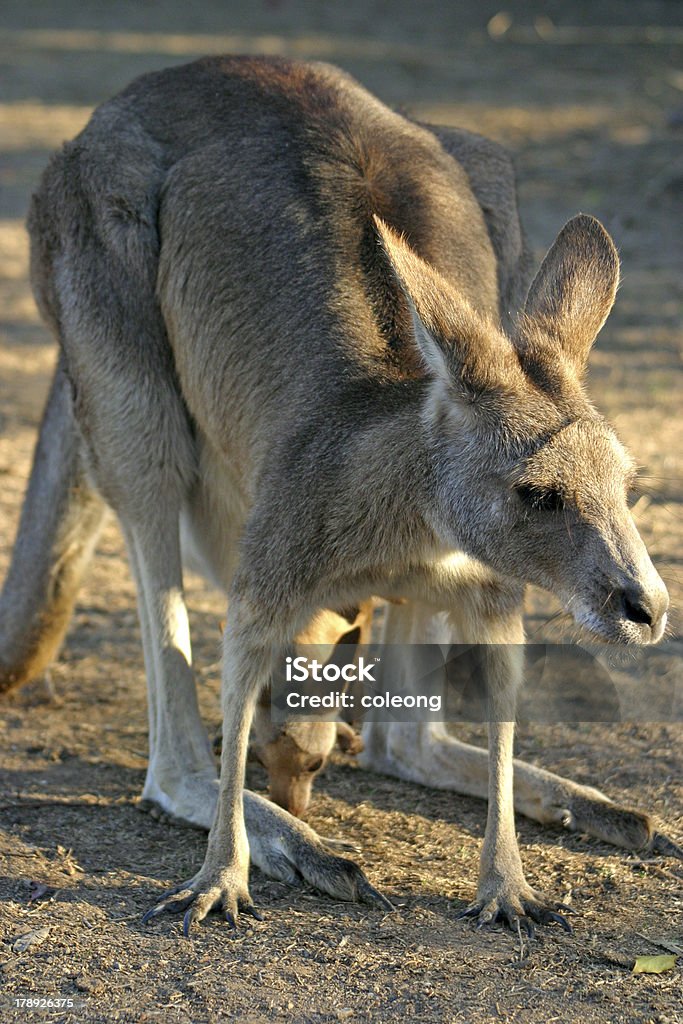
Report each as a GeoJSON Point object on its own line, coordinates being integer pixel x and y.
{"type": "Point", "coordinates": [532, 480]}
{"type": "Point", "coordinates": [296, 751]}
{"type": "Point", "coordinates": [293, 754]}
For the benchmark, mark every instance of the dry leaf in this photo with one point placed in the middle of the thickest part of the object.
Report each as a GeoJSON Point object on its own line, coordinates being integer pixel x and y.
{"type": "Point", "coordinates": [654, 964]}
{"type": "Point", "coordinates": [30, 939]}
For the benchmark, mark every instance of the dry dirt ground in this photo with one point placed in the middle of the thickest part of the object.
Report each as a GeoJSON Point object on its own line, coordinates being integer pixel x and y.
{"type": "Point", "coordinates": [591, 103]}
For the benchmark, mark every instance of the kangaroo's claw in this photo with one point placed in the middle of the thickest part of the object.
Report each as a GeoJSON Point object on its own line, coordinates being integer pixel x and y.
{"type": "Point", "coordinates": [559, 919]}
{"type": "Point", "coordinates": [367, 893]}
{"type": "Point", "coordinates": [251, 910]}
{"type": "Point", "coordinates": [190, 916]}
{"type": "Point", "coordinates": [523, 912]}
{"type": "Point", "coordinates": [167, 903]}
{"type": "Point", "coordinates": [665, 847]}
{"type": "Point", "coordinates": [339, 845]}
{"type": "Point", "coordinates": [219, 890]}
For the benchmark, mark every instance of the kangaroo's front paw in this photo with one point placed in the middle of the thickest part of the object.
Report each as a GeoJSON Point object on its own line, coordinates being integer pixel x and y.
{"type": "Point", "coordinates": [222, 889]}
{"type": "Point", "coordinates": [516, 906]}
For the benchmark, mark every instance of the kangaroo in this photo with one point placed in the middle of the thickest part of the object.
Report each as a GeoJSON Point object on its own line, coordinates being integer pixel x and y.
{"type": "Point", "coordinates": [286, 322]}
{"type": "Point", "coordinates": [295, 752]}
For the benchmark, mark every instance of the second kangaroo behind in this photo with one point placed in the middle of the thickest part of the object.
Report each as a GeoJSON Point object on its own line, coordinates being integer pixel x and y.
{"type": "Point", "coordinates": [278, 305]}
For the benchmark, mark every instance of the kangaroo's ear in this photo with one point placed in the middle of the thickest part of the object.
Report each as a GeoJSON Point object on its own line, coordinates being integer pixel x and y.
{"type": "Point", "coordinates": [573, 292]}
{"type": "Point", "coordinates": [457, 344]}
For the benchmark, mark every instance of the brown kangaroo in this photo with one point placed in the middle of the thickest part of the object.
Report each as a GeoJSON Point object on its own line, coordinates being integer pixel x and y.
{"type": "Point", "coordinates": [286, 317]}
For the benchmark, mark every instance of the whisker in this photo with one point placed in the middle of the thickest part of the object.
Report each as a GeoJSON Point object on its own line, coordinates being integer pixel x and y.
{"type": "Point", "coordinates": [551, 618]}
{"type": "Point", "coordinates": [667, 508]}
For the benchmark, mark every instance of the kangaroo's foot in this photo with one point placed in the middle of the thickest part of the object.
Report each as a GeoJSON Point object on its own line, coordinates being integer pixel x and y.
{"type": "Point", "coordinates": [429, 755]}
{"type": "Point", "coordinates": [284, 848]}
{"type": "Point", "coordinates": [189, 797]}
{"type": "Point", "coordinates": [212, 888]}
{"type": "Point", "coordinates": [515, 904]}
{"type": "Point", "coordinates": [584, 809]}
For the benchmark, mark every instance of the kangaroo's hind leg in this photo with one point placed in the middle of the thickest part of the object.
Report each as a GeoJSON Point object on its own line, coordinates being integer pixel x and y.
{"type": "Point", "coordinates": [181, 775]}
{"type": "Point", "coordinates": [427, 753]}
{"type": "Point", "coordinates": [94, 266]}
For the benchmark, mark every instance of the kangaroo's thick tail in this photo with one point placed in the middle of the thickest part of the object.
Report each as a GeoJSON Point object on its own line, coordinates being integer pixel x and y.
{"type": "Point", "coordinates": [59, 526]}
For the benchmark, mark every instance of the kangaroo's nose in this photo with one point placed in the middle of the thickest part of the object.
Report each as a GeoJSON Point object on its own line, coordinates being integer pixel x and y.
{"type": "Point", "coordinates": [646, 609]}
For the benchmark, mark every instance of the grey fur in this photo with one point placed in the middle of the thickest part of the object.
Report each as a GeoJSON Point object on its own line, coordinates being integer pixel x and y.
{"type": "Point", "coordinates": [283, 311]}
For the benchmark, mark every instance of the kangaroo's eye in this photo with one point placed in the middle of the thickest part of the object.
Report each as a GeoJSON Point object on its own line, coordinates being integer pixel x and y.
{"type": "Point", "coordinates": [540, 499]}
{"type": "Point", "coordinates": [315, 766]}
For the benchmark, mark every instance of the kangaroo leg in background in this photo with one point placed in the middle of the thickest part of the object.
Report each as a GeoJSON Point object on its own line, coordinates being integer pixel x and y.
{"type": "Point", "coordinates": [181, 772]}
{"type": "Point", "coordinates": [427, 753]}
{"type": "Point", "coordinates": [60, 523]}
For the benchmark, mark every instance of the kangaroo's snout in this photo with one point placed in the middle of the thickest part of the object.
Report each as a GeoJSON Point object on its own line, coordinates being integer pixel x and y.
{"type": "Point", "coordinates": [631, 610]}
{"type": "Point", "coordinates": [646, 607]}
{"type": "Point", "coordinates": [293, 793]}
{"type": "Point", "coordinates": [641, 601]}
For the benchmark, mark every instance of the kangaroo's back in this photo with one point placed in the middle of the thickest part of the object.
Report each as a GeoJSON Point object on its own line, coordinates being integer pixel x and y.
{"type": "Point", "coordinates": [306, 140]}
{"type": "Point", "coordinates": [262, 177]}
